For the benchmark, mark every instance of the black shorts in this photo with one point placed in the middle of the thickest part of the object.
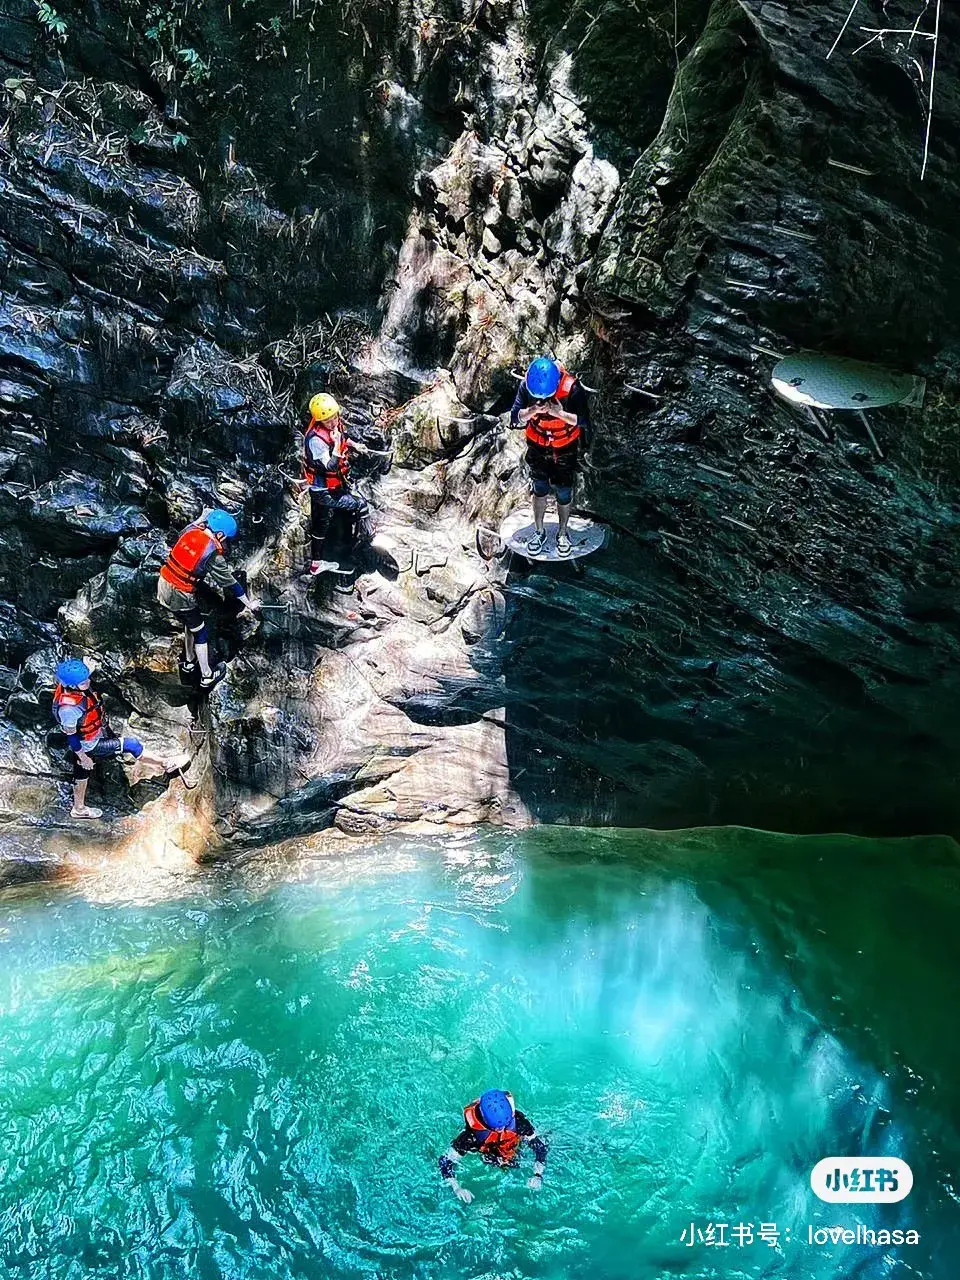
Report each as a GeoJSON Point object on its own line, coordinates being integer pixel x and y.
{"type": "Point", "coordinates": [192, 619]}
{"type": "Point", "coordinates": [557, 467]}
{"type": "Point", "coordinates": [325, 501]}
{"type": "Point", "coordinates": [183, 607]}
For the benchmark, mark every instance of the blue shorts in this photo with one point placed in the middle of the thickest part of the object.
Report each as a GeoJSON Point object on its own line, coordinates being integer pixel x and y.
{"type": "Point", "coordinates": [107, 749]}
{"type": "Point", "coordinates": [541, 489]}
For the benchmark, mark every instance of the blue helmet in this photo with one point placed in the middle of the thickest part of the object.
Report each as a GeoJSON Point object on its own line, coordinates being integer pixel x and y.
{"type": "Point", "coordinates": [543, 378]}
{"type": "Point", "coordinates": [496, 1109]}
{"type": "Point", "coordinates": [222, 522]}
{"type": "Point", "coordinates": [72, 673]}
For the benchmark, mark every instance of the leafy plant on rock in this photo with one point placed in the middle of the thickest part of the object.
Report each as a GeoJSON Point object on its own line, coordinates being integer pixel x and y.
{"type": "Point", "coordinates": [51, 21]}
{"type": "Point", "coordinates": [198, 69]}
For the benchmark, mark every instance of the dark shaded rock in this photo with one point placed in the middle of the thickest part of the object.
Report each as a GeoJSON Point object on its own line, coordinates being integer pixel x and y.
{"type": "Point", "coordinates": [21, 635]}
{"type": "Point", "coordinates": [73, 516]}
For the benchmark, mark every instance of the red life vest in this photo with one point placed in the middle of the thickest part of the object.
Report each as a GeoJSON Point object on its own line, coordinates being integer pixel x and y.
{"type": "Point", "coordinates": [554, 433]}
{"type": "Point", "coordinates": [189, 557]}
{"type": "Point", "coordinates": [334, 480]}
{"type": "Point", "coordinates": [91, 722]}
{"type": "Point", "coordinates": [501, 1145]}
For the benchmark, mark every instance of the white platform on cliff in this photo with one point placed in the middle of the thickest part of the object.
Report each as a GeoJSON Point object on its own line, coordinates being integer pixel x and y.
{"type": "Point", "coordinates": [834, 382]}
{"type": "Point", "coordinates": [585, 537]}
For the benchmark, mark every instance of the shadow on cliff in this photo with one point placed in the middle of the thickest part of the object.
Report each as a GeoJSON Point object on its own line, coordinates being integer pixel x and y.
{"type": "Point", "coordinates": [701, 670]}
{"type": "Point", "coordinates": [632, 699]}
{"type": "Point", "coordinates": [623, 62]}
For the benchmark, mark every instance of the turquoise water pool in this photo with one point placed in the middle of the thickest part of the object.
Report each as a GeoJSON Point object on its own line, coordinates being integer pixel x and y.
{"type": "Point", "coordinates": [256, 1079]}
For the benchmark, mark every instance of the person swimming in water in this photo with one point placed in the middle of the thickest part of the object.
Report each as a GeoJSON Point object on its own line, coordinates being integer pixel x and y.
{"type": "Point", "coordinates": [496, 1130]}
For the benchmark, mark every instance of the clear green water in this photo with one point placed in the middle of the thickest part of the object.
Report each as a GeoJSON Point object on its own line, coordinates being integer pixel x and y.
{"type": "Point", "coordinates": [256, 1080]}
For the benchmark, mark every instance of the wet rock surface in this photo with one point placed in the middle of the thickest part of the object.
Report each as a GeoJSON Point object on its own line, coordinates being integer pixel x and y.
{"type": "Point", "coordinates": [204, 220]}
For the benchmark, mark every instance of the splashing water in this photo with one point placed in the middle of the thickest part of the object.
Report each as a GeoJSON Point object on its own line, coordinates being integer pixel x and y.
{"type": "Point", "coordinates": [257, 1081]}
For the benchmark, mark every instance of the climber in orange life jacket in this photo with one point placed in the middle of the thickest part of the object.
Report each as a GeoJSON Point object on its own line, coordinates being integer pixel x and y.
{"type": "Point", "coordinates": [326, 469]}
{"type": "Point", "coordinates": [551, 406]}
{"type": "Point", "coordinates": [496, 1130]}
{"type": "Point", "coordinates": [79, 713]}
{"type": "Point", "coordinates": [199, 555]}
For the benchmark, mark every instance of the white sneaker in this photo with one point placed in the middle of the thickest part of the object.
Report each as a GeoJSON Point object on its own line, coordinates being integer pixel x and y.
{"type": "Point", "coordinates": [323, 566]}
{"type": "Point", "coordinates": [87, 811]}
{"type": "Point", "coordinates": [535, 544]}
{"type": "Point", "coordinates": [215, 676]}
{"type": "Point", "coordinates": [564, 545]}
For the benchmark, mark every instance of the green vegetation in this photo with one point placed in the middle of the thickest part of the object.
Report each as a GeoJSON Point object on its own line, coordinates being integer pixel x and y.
{"type": "Point", "coordinates": [198, 69]}
{"type": "Point", "coordinates": [51, 21]}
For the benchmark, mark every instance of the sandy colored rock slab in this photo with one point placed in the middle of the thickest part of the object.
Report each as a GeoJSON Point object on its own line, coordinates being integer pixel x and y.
{"type": "Point", "coordinates": [461, 778]}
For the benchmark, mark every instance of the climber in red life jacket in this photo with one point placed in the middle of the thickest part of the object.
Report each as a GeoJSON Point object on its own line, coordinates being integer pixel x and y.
{"type": "Point", "coordinates": [551, 406]}
{"type": "Point", "coordinates": [199, 556]}
{"type": "Point", "coordinates": [326, 469]}
{"type": "Point", "coordinates": [496, 1130]}
{"type": "Point", "coordinates": [79, 713]}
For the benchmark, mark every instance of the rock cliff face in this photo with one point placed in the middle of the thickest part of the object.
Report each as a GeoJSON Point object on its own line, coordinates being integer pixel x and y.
{"type": "Point", "coordinates": [209, 212]}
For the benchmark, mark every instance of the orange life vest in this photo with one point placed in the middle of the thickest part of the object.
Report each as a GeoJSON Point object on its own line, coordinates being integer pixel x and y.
{"type": "Point", "coordinates": [189, 557]}
{"type": "Point", "coordinates": [334, 480]}
{"type": "Point", "coordinates": [501, 1145]}
{"type": "Point", "coordinates": [91, 722]}
{"type": "Point", "coordinates": [554, 433]}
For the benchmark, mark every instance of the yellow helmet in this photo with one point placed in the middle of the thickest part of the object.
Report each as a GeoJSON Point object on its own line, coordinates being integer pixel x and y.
{"type": "Point", "coordinates": [324, 407]}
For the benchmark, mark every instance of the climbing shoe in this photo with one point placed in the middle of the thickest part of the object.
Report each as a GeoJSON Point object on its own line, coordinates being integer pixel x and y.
{"type": "Point", "coordinates": [535, 544]}
{"type": "Point", "coordinates": [564, 545]}
{"type": "Point", "coordinates": [86, 811]}
{"type": "Point", "coordinates": [214, 678]}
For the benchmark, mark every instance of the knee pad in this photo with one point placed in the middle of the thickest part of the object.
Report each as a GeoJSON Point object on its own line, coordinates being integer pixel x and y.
{"type": "Point", "coordinates": [200, 634]}
{"type": "Point", "coordinates": [541, 488]}
{"type": "Point", "coordinates": [133, 747]}
{"type": "Point", "coordinates": [564, 495]}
